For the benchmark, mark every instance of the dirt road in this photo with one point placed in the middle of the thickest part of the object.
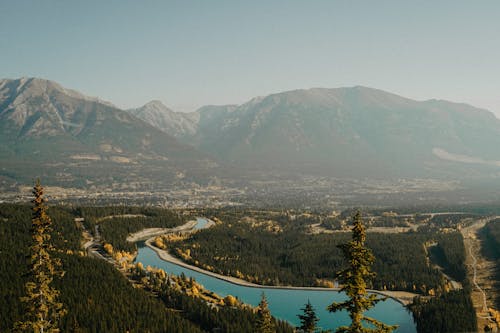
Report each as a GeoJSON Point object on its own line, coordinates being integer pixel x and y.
{"type": "Point", "coordinates": [480, 271]}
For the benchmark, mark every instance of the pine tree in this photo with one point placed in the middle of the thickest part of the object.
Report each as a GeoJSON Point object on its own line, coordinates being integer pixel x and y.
{"type": "Point", "coordinates": [43, 311]}
{"type": "Point", "coordinates": [354, 280]}
{"type": "Point", "coordinates": [264, 322]}
{"type": "Point", "coordinates": [308, 320]}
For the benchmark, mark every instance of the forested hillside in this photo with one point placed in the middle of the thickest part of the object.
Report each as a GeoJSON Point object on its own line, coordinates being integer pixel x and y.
{"type": "Point", "coordinates": [272, 250]}
{"type": "Point", "coordinates": [275, 251]}
{"type": "Point", "coordinates": [99, 298]}
{"type": "Point", "coordinates": [447, 313]}
{"type": "Point", "coordinates": [115, 223]}
{"type": "Point", "coordinates": [266, 247]}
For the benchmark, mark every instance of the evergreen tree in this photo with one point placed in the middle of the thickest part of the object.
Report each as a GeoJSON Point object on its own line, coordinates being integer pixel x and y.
{"type": "Point", "coordinates": [354, 280]}
{"type": "Point", "coordinates": [308, 320]}
{"type": "Point", "coordinates": [264, 322]}
{"type": "Point", "coordinates": [43, 311]}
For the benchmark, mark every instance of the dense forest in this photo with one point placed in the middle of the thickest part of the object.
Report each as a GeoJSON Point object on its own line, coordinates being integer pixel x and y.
{"type": "Point", "coordinates": [274, 251]}
{"type": "Point", "coordinates": [116, 222]}
{"type": "Point", "coordinates": [97, 296]}
{"type": "Point", "coordinates": [447, 313]}
{"type": "Point", "coordinates": [266, 247]}
{"type": "Point", "coordinates": [491, 249]}
{"type": "Point", "coordinates": [271, 249]}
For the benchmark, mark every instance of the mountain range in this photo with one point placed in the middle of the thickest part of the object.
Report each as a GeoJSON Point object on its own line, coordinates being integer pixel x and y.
{"type": "Point", "coordinates": [354, 132]}
{"type": "Point", "coordinates": [69, 139]}
{"type": "Point", "coordinates": [74, 140]}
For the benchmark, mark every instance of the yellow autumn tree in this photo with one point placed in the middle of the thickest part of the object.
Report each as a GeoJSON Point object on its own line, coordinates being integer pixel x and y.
{"type": "Point", "coordinates": [230, 300]}
{"type": "Point", "coordinates": [108, 248]}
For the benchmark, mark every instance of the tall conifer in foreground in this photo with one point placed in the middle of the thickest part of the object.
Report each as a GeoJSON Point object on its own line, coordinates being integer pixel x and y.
{"type": "Point", "coordinates": [43, 311]}
{"type": "Point", "coordinates": [308, 320]}
{"type": "Point", "coordinates": [354, 279]}
{"type": "Point", "coordinates": [264, 322]}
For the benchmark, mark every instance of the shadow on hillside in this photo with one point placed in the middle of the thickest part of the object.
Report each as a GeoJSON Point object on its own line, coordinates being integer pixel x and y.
{"type": "Point", "coordinates": [490, 249]}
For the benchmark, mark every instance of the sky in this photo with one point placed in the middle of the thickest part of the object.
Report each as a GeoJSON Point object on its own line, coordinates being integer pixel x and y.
{"type": "Point", "coordinates": [192, 53]}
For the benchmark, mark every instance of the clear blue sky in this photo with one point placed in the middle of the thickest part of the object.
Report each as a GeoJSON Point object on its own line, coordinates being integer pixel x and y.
{"type": "Point", "coordinates": [191, 53]}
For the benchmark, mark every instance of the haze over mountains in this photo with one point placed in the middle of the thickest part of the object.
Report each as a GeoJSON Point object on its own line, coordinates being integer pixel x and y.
{"type": "Point", "coordinates": [74, 140]}
{"type": "Point", "coordinates": [354, 132]}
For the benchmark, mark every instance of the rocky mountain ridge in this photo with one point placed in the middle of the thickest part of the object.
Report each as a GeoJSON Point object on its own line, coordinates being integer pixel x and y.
{"type": "Point", "coordinates": [357, 132]}
{"type": "Point", "coordinates": [70, 139]}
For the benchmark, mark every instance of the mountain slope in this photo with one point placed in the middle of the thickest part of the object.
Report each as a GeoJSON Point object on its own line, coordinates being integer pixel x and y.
{"type": "Point", "coordinates": [355, 132]}
{"type": "Point", "coordinates": [177, 124]}
{"type": "Point", "coordinates": [70, 139]}
{"type": "Point", "coordinates": [56, 133]}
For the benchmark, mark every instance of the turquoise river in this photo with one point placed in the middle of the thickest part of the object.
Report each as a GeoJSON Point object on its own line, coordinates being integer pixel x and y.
{"type": "Point", "coordinates": [285, 303]}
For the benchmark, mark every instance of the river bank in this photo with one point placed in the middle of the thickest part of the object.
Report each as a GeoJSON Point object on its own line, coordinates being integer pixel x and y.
{"type": "Point", "coordinates": [285, 302]}
{"type": "Point", "coordinates": [402, 297]}
{"type": "Point", "coordinates": [145, 234]}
